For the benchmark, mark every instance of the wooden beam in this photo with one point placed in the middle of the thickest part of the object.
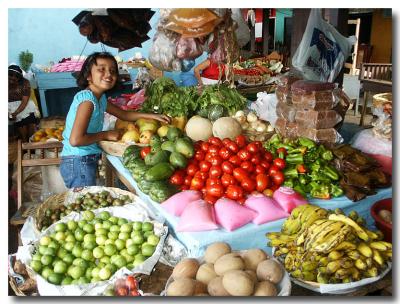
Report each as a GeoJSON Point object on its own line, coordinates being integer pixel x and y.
{"type": "Point", "coordinates": [265, 31]}
{"type": "Point", "coordinates": [300, 18]}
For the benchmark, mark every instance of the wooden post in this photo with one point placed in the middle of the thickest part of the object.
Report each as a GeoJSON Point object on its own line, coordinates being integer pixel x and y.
{"type": "Point", "coordinates": [265, 31]}
{"type": "Point", "coordinates": [19, 174]}
{"type": "Point", "coordinates": [252, 39]}
{"type": "Point", "coordinates": [300, 18]}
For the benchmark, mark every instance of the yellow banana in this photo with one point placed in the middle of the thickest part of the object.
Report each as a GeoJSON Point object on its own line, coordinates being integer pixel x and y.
{"type": "Point", "coordinates": [296, 274]}
{"type": "Point", "coordinates": [364, 249]}
{"type": "Point", "coordinates": [381, 245]}
{"type": "Point", "coordinates": [353, 215]}
{"type": "Point", "coordinates": [317, 214]}
{"type": "Point", "coordinates": [309, 266]}
{"type": "Point", "coordinates": [372, 235]}
{"type": "Point", "coordinates": [335, 255]}
{"type": "Point", "coordinates": [296, 212]}
{"type": "Point", "coordinates": [291, 226]}
{"type": "Point", "coordinates": [284, 250]}
{"type": "Point", "coordinates": [353, 254]}
{"type": "Point", "coordinates": [322, 278]}
{"type": "Point", "coordinates": [355, 274]}
{"type": "Point", "coordinates": [345, 245]}
{"type": "Point", "coordinates": [380, 235]}
{"type": "Point", "coordinates": [322, 270]}
{"type": "Point", "coordinates": [309, 276]}
{"type": "Point", "coordinates": [320, 232]}
{"type": "Point", "coordinates": [387, 254]}
{"type": "Point", "coordinates": [368, 261]}
{"type": "Point", "coordinates": [360, 264]}
{"type": "Point", "coordinates": [346, 280]}
{"type": "Point", "coordinates": [342, 273]}
{"type": "Point", "coordinates": [377, 257]}
{"type": "Point", "coordinates": [324, 261]}
{"type": "Point", "coordinates": [371, 272]}
{"type": "Point", "coordinates": [333, 266]}
{"type": "Point", "coordinates": [346, 263]}
{"type": "Point", "coordinates": [342, 218]}
{"type": "Point", "coordinates": [339, 211]}
{"type": "Point", "coordinates": [332, 241]}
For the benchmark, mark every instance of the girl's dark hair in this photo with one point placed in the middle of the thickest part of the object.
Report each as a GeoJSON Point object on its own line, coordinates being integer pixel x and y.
{"type": "Point", "coordinates": [81, 80]}
{"type": "Point", "coordinates": [15, 70]}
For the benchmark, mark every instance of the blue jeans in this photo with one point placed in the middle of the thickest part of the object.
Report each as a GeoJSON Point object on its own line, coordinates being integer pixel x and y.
{"type": "Point", "coordinates": [79, 171]}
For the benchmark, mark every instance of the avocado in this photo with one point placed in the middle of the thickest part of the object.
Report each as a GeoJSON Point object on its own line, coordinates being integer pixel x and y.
{"type": "Point", "coordinates": [177, 160]}
{"type": "Point", "coordinates": [185, 147]}
{"type": "Point", "coordinates": [173, 133]}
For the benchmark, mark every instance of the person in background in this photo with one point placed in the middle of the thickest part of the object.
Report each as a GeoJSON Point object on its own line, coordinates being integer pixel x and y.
{"type": "Point", "coordinates": [84, 122]}
{"type": "Point", "coordinates": [208, 72]}
{"type": "Point", "coordinates": [21, 109]}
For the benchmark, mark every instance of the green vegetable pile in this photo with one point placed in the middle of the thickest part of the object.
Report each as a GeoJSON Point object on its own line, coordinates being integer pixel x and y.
{"type": "Point", "coordinates": [309, 168]}
{"type": "Point", "coordinates": [164, 96]}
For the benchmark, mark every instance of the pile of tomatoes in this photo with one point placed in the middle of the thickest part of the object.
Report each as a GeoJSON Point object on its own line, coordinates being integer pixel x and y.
{"type": "Point", "coordinates": [126, 287]}
{"type": "Point", "coordinates": [231, 169]}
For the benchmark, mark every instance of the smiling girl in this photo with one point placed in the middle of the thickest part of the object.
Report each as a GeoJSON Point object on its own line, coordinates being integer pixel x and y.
{"type": "Point", "coordinates": [84, 122]}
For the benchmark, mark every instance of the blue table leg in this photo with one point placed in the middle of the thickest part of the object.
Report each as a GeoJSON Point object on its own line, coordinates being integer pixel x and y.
{"type": "Point", "coordinates": [43, 103]}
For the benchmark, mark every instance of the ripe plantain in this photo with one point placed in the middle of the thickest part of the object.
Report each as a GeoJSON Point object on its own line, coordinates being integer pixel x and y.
{"type": "Point", "coordinates": [364, 249]}
{"type": "Point", "coordinates": [360, 232]}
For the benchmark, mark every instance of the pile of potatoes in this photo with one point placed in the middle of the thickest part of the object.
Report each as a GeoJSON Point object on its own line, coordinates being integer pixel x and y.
{"type": "Point", "coordinates": [226, 273]}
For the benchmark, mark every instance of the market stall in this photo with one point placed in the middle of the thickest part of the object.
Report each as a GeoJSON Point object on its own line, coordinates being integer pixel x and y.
{"type": "Point", "coordinates": [225, 196]}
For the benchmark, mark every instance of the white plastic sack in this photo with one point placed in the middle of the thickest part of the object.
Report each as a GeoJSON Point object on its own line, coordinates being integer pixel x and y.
{"type": "Point", "coordinates": [363, 139]}
{"type": "Point", "coordinates": [265, 107]}
{"type": "Point", "coordinates": [323, 51]}
{"type": "Point", "coordinates": [163, 53]}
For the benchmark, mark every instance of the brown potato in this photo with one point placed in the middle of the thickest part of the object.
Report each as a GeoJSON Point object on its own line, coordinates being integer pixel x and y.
{"type": "Point", "coordinates": [269, 270]}
{"type": "Point", "coordinates": [253, 275]}
{"type": "Point", "coordinates": [253, 257]}
{"type": "Point", "coordinates": [187, 268]}
{"type": "Point", "coordinates": [206, 273]}
{"type": "Point", "coordinates": [238, 283]}
{"type": "Point", "coordinates": [216, 289]}
{"type": "Point", "coordinates": [228, 262]}
{"type": "Point", "coordinates": [216, 250]}
{"type": "Point", "coordinates": [181, 287]}
{"type": "Point", "coordinates": [199, 288]}
{"type": "Point", "coordinates": [265, 288]}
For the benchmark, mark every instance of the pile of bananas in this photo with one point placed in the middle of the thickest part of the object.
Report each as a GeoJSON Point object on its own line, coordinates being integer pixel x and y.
{"type": "Point", "coordinates": [329, 247]}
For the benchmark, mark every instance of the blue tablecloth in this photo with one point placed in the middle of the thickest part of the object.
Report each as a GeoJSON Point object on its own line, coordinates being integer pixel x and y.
{"type": "Point", "coordinates": [250, 235]}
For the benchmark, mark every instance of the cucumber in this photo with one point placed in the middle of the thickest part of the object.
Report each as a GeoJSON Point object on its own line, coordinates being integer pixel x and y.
{"type": "Point", "coordinates": [178, 160]}
{"type": "Point", "coordinates": [168, 146]}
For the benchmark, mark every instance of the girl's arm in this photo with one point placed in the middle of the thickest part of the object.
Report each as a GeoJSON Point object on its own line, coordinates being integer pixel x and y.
{"type": "Point", "coordinates": [79, 135]}
{"type": "Point", "coordinates": [200, 67]}
{"type": "Point", "coordinates": [22, 106]}
{"type": "Point", "coordinates": [133, 116]}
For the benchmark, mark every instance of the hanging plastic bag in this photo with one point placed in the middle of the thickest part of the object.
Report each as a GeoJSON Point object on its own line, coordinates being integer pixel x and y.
{"type": "Point", "coordinates": [163, 53]}
{"type": "Point", "coordinates": [188, 48]}
{"type": "Point", "coordinates": [197, 32]}
{"type": "Point", "coordinates": [242, 32]}
{"type": "Point", "coordinates": [322, 51]}
{"type": "Point", "coordinates": [191, 17]}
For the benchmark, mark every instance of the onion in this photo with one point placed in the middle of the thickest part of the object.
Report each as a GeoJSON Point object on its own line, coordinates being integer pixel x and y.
{"type": "Point", "coordinates": [251, 117]}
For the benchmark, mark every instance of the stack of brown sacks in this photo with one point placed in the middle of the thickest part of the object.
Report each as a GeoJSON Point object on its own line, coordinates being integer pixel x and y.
{"type": "Point", "coordinates": [306, 108]}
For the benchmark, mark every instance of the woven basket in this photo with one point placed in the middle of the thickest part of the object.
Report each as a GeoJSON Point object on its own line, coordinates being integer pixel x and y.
{"type": "Point", "coordinates": [17, 290]}
{"type": "Point", "coordinates": [52, 202]}
{"type": "Point", "coordinates": [115, 148]}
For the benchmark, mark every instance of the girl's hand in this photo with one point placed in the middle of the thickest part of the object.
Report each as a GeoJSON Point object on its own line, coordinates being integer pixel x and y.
{"type": "Point", "coordinates": [160, 117]}
{"type": "Point", "coordinates": [112, 135]}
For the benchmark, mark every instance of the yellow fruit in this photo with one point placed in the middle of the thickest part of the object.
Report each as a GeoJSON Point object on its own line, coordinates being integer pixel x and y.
{"type": "Point", "coordinates": [121, 124]}
{"type": "Point", "coordinates": [179, 122]}
{"type": "Point", "coordinates": [162, 131]}
{"type": "Point", "coordinates": [131, 126]}
{"type": "Point", "coordinates": [145, 137]}
{"type": "Point", "coordinates": [130, 136]}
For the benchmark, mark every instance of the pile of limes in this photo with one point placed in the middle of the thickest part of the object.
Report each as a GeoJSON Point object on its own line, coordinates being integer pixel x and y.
{"type": "Point", "coordinates": [93, 249]}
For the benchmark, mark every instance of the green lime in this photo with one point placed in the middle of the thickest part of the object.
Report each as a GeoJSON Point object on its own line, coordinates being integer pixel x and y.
{"type": "Point", "coordinates": [114, 228]}
{"type": "Point", "coordinates": [87, 255]}
{"type": "Point", "coordinates": [123, 236]}
{"type": "Point", "coordinates": [60, 267]}
{"type": "Point", "coordinates": [113, 235]}
{"type": "Point", "coordinates": [133, 249]}
{"type": "Point", "coordinates": [147, 226]}
{"type": "Point", "coordinates": [104, 273]}
{"type": "Point", "coordinates": [77, 251]}
{"type": "Point", "coordinates": [45, 240]}
{"type": "Point", "coordinates": [98, 252]}
{"type": "Point", "coordinates": [113, 220]}
{"type": "Point", "coordinates": [110, 249]}
{"type": "Point", "coordinates": [126, 228]}
{"type": "Point", "coordinates": [120, 244]}
{"type": "Point", "coordinates": [66, 281]}
{"type": "Point", "coordinates": [46, 271]}
{"type": "Point", "coordinates": [46, 260]}
{"type": "Point", "coordinates": [122, 221]}
{"type": "Point", "coordinates": [120, 261]}
{"type": "Point", "coordinates": [88, 215]}
{"type": "Point", "coordinates": [153, 239]}
{"type": "Point", "coordinates": [88, 228]}
{"type": "Point", "coordinates": [137, 226]}
{"type": "Point", "coordinates": [36, 266]}
{"type": "Point", "coordinates": [55, 278]}
{"type": "Point", "coordinates": [72, 225]}
{"type": "Point", "coordinates": [69, 258]}
{"type": "Point", "coordinates": [69, 246]}
{"type": "Point", "coordinates": [101, 231]}
{"type": "Point", "coordinates": [101, 239]}
{"type": "Point", "coordinates": [76, 272]}
{"type": "Point", "coordinates": [61, 227]}
{"type": "Point", "coordinates": [148, 250]}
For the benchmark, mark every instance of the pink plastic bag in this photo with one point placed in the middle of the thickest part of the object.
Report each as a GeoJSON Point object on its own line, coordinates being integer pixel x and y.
{"type": "Point", "coordinates": [197, 216]}
{"type": "Point", "coordinates": [136, 100]}
{"type": "Point", "coordinates": [288, 199]}
{"type": "Point", "coordinates": [188, 48]}
{"type": "Point", "coordinates": [231, 215]}
{"type": "Point", "coordinates": [178, 202]}
{"type": "Point", "coordinates": [268, 210]}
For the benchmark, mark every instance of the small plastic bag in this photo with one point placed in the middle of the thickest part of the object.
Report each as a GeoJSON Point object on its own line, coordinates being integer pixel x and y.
{"type": "Point", "coordinates": [286, 111]}
{"type": "Point", "coordinates": [197, 216]}
{"type": "Point", "coordinates": [265, 107]}
{"type": "Point", "coordinates": [188, 48]}
{"type": "Point", "coordinates": [313, 95]}
{"type": "Point", "coordinates": [323, 51]}
{"type": "Point", "coordinates": [329, 135]}
{"type": "Point", "coordinates": [163, 52]}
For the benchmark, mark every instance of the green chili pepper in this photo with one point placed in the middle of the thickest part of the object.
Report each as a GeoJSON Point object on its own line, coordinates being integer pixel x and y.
{"type": "Point", "coordinates": [303, 179]}
{"type": "Point", "coordinates": [288, 183]}
{"type": "Point", "coordinates": [321, 192]}
{"type": "Point", "coordinates": [327, 155]}
{"type": "Point", "coordinates": [294, 159]}
{"type": "Point", "coordinates": [306, 142]}
{"type": "Point", "coordinates": [331, 173]}
{"type": "Point", "coordinates": [301, 150]}
{"type": "Point", "coordinates": [301, 190]}
{"type": "Point", "coordinates": [290, 172]}
{"type": "Point", "coordinates": [336, 190]}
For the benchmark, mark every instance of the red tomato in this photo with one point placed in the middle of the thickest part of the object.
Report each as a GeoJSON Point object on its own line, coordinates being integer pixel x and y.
{"type": "Point", "coordinates": [215, 141]}
{"type": "Point", "coordinates": [202, 175]}
{"type": "Point", "coordinates": [226, 142]}
{"type": "Point", "coordinates": [241, 200]}
{"type": "Point", "coordinates": [203, 191]}
{"type": "Point", "coordinates": [252, 148]}
{"type": "Point", "coordinates": [193, 161]}
{"type": "Point", "coordinates": [227, 167]}
{"type": "Point", "coordinates": [192, 169]}
{"type": "Point", "coordinates": [131, 283]}
{"type": "Point", "coordinates": [233, 147]}
{"type": "Point", "coordinates": [263, 182]}
{"type": "Point", "coordinates": [197, 145]}
{"type": "Point", "coordinates": [280, 163]}
{"type": "Point", "coordinates": [208, 157]}
{"type": "Point", "coordinates": [244, 155]}
{"type": "Point", "coordinates": [235, 160]}
{"type": "Point", "coordinates": [240, 140]}
{"type": "Point", "coordinates": [197, 183]}
{"type": "Point", "coordinates": [205, 146]}
{"type": "Point", "coordinates": [176, 179]}
{"type": "Point", "coordinates": [239, 174]}
{"type": "Point", "coordinates": [188, 180]}
{"type": "Point", "coordinates": [278, 178]}
{"type": "Point", "coordinates": [256, 159]}
{"type": "Point", "coordinates": [259, 145]}
{"type": "Point", "coordinates": [265, 164]}
{"type": "Point", "coordinates": [268, 156]}
{"type": "Point", "coordinates": [234, 192]}
{"type": "Point", "coordinates": [215, 190]}
{"type": "Point", "coordinates": [227, 180]}
{"type": "Point", "coordinates": [216, 160]}
{"type": "Point", "coordinates": [281, 150]}
{"type": "Point", "coordinates": [122, 291]}
{"type": "Point", "coordinates": [204, 166]}
{"type": "Point", "coordinates": [225, 153]}
{"type": "Point", "coordinates": [248, 166]}
{"type": "Point", "coordinates": [213, 150]}
{"type": "Point", "coordinates": [248, 184]}
{"type": "Point", "coordinates": [200, 155]}
{"type": "Point", "coordinates": [215, 171]}
{"type": "Point", "coordinates": [210, 199]}
{"type": "Point", "coordinates": [259, 169]}
{"type": "Point", "coordinates": [273, 170]}
{"type": "Point", "coordinates": [144, 152]}
{"type": "Point", "coordinates": [184, 187]}
{"type": "Point", "coordinates": [213, 181]}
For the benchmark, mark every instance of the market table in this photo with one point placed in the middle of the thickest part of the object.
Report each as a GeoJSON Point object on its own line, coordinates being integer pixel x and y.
{"type": "Point", "coordinates": [248, 236]}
